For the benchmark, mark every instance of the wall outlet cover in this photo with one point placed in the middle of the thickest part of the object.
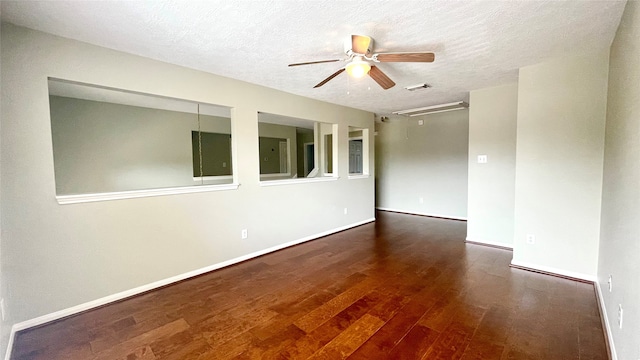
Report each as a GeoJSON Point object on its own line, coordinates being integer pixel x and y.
{"type": "Point", "coordinates": [531, 239]}
{"type": "Point", "coordinates": [244, 234]}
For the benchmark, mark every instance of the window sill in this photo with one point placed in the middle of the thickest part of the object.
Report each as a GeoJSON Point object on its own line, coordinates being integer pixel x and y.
{"type": "Point", "coordinates": [212, 178]}
{"type": "Point", "coordinates": [358, 176]}
{"type": "Point", "coordinates": [297, 181]}
{"type": "Point", "coordinates": [120, 195]}
{"type": "Point", "coordinates": [275, 175]}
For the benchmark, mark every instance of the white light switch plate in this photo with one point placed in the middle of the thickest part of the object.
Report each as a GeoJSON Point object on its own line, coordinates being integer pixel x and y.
{"type": "Point", "coordinates": [482, 159]}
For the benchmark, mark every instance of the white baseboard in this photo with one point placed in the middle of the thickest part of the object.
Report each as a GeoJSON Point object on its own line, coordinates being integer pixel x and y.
{"type": "Point", "coordinates": [490, 243]}
{"type": "Point", "coordinates": [423, 214]}
{"type": "Point", "coordinates": [551, 270]}
{"type": "Point", "coordinates": [605, 319]}
{"type": "Point", "coordinates": [154, 285]}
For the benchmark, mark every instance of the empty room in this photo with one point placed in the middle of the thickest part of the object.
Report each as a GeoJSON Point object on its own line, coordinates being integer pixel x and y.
{"type": "Point", "coordinates": [320, 179]}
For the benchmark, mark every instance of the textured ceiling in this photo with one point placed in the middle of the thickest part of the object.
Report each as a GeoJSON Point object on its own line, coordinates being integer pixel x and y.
{"type": "Point", "coordinates": [477, 43]}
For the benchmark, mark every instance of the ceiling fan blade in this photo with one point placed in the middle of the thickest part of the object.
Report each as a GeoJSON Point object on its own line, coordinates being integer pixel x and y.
{"type": "Point", "coordinates": [361, 44]}
{"type": "Point", "coordinates": [406, 57]}
{"type": "Point", "coordinates": [329, 78]}
{"type": "Point", "coordinates": [314, 62]}
{"type": "Point", "coordinates": [381, 78]}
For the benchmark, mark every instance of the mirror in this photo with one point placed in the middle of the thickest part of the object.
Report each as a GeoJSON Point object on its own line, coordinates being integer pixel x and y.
{"type": "Point", "coordinates": [108, 140]}
{"type": "Point", "coordinates": [358, 151]}
{"type": "Point", "coordinates": [294, 148]}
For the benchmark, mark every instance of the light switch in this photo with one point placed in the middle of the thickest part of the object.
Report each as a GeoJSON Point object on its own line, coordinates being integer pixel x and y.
{"type": "Point", "coordinates": [482, 159]}
{"type": "Point", "coordinates": [420, 122]}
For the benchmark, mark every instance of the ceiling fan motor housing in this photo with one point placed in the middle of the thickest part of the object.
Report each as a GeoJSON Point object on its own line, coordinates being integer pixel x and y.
{"type": "Point", "coordinates": [358, 45]}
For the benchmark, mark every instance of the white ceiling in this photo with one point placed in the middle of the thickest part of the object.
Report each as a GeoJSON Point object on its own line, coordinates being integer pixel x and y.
{"type": "Point", "coordinates": [477, 43]}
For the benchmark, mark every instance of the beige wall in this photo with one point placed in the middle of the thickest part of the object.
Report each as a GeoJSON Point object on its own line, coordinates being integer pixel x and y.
{"type": "Point", "coordinates": [559, 158]}
{"type": "Point", "coordinates": [620, 228]}
{"type": "Point", "coordinates": [492, 132]}
{"type": "Point", "coordinates": [427, 161]}
{"type": "Point", "coordinates": [58, 256]}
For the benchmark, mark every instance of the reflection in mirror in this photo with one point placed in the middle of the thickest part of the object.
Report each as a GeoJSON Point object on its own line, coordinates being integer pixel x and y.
{"type": "Point", "coordinates": [213, 152]}
{"type": "Point", "coordinates": [294, 148]}
{"type": "Point", "coordinates": [328, 153]}
{"type": "Point", "coordinates": [274, 156]}
{"type": "Point", "coordinates": [358, 151]}
{"type": "Point", "coordinates": [107, 140]}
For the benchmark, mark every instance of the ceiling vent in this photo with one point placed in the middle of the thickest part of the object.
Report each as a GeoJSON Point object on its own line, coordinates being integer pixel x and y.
{"type": "Point", "coordinates": [433, 109]}
{"type": "Point", "coordinates": [417, 87]}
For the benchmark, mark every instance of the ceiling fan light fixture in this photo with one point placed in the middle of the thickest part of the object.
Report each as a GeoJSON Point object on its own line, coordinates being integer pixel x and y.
{"type": "Point", "coordinates": [358, 68]}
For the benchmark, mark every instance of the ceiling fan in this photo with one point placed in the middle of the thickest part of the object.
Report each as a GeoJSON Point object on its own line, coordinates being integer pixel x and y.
{"type": "Point", "coordinates": [358, 49]}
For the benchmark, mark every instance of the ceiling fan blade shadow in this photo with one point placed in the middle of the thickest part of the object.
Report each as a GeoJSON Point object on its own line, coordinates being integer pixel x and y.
{"type": "Point", "coordinates": [381, 78]}
{"type": "Point", "coordinates": [406, 57]}
{"type": "Point", "coordinates": [361, 44]}
{"type": "Point", "coordinates": [329, 78]}
{"type": "Point", "coordinates": [314, 62]}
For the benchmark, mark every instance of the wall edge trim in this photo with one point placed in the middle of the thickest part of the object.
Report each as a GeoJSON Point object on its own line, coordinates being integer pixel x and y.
{"type": "Point", "coordinates": [89, 305]}
{"type": "Point", "coordinates": [608, 335]}
{"type": "Point", "coordinates": [450, 217]}
{"type": "Point", "coordinates": [570, 275]}
{"type": "Point", "coordinates": [494, 244]}
{"type": "Point", "coordinates": [134, 194]}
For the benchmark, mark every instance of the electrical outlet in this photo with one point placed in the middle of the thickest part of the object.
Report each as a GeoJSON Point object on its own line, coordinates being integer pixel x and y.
{"type": "Point", "coordinates": [345, 211]}
{"type": "Point", "coordinates": [531, 239]}
{"type": "Point", "coordinates": [610, 283]}
{"type": "Point", "coordinates": [482, 159]}
{"type": "Point", "coordinates": [420, 122]}
{"type": "Point", "coordinates": [244, 234]}
{"type": "Point", "coordinates": [620, 313]}
{"type": "Point", "coordinates": [421, 200]}
{"type": "Point", "coordinates": [2, 309]}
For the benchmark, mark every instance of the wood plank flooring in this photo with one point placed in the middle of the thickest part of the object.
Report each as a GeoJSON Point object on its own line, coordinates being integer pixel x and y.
{"type": "Point", "coordinates": [404, 287]}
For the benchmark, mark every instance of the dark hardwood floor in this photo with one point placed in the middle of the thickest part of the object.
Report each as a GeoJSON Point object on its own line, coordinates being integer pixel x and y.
{"type": "Point", "coordinates": [404, 287]}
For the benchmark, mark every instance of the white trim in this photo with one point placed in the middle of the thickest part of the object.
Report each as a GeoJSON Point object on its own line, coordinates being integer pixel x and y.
{"type": "Point", "coordinates": [423, 214]}
{"type": "Point", "coordinates": [552, 270]}
{"type": "Point", "coordinates": [83, 198]}
{"type": "Point", "coordinates": [12, 335]}
{"type": "Point", "coordinates": [160, 283]}
{"type": "Point", "coordinates": [216, 177]}
{"type": "Point", "coordinates": [494, 243]}
{"type": "Point", "coordinates": [605, 318]}
{"type": "Point", "coordinates": [297, 181]}
{"type": "Point", "coordinates": [358, 176]}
